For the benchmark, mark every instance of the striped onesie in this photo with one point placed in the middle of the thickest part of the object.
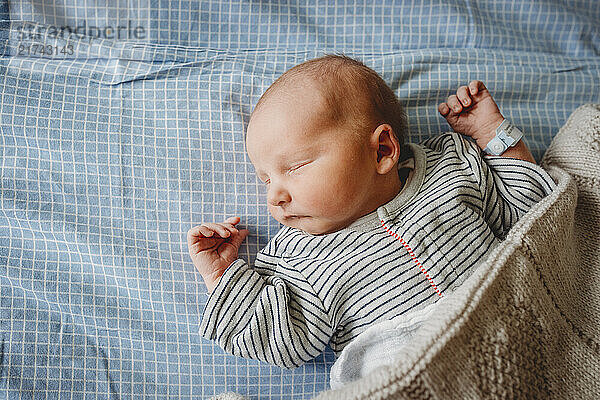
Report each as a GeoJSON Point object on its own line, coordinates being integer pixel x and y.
{"type": "Point", "coordinates": [305, 291]}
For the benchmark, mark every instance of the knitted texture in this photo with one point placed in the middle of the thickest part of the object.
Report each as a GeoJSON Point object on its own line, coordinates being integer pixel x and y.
{"type": "Point", "coordinates": [524, 325]}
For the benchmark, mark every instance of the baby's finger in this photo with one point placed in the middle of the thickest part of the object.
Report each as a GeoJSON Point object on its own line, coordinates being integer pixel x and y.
{"type": "Point", "coordinates": [191, 233]}
{"type": "Point", "coordinates": [206, 231]}
{"type": "Point", "coordinates": [454, 104]}
{"type": "Point", "coordinates": [195, 233]}
{"type": "Point", "coordinates": [198, 231]}
{"type": "Point", "coordinates": [463, 95]}
{"type": "Point", "coordinates": [209, 228]}
{"type": "Point", "coordinates": [218, 228]}
{"type": "Point", "coordinates": [443, 109]}
{"type": "Point", "coordinates": [228, 228]}
{"type": "Point", "coordinates": [475, 87]}
{"type": "Point", "coordinates": [233, 220]}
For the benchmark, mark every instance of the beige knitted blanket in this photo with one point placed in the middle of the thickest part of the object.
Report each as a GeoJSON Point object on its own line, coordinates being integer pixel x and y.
{"type": "Point", "coordinates": [525, 325]}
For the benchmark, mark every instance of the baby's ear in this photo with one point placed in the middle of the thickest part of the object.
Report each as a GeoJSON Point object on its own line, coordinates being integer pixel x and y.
{"type": "Point", "coordinates": [388, 151]}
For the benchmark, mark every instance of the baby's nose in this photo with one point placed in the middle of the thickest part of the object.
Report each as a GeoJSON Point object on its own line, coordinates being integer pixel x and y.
{"type": "Point", "coordinates": [277, 196]}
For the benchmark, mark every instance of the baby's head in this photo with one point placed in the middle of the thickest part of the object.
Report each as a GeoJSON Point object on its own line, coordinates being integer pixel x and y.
{"type": "Point", "coordinates": [326, 137]}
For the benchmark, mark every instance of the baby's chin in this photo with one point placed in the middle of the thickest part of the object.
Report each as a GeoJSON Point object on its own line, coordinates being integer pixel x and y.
{"type": "Point", "coordinates": [309, 225]}
{"type": "Point", "coordinates": [299, 222]}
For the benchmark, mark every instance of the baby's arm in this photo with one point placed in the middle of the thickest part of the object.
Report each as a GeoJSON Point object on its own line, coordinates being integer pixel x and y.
{"type": "Point", "coordinates": [473, 112]}
{"type": "Point", "coordinates": [253, 313]}
{"type": "Point", "coordinates": [268, 312]}
{"type": "Point", "coordinates": [213, 247]}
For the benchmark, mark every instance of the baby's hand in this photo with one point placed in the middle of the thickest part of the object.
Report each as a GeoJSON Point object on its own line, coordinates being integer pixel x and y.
{"type": "Point", "coordinates": [473, 112]}
{"type": "Point", "coordinates": [213, 247]}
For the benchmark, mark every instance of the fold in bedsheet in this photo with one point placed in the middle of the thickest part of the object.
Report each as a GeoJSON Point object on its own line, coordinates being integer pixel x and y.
{"type": "Point", "coordinates": [112, 148]}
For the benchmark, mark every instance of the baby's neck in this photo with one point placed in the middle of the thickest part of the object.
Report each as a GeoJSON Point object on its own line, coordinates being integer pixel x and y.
{"type": "Point", "coordinates": [386, 189]}
{"type": "Point", "coordinates": [393, 188]}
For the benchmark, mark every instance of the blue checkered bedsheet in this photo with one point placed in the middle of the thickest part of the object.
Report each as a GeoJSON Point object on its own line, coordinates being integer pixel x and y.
{"type": "Point", "coordinates": [122, 126]}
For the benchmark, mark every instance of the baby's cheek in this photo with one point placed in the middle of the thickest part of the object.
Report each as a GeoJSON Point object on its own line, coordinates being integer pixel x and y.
{"type": "Point", "coordinates": [334, 197]}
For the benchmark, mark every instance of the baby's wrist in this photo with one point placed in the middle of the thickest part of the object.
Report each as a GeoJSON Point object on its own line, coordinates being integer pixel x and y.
{"type": "Point", "coordinates": [488, 131]}
{"type": "Point", "coordinates": [212, 278]}
{"type": "Point", "coordinates": [211, 281]}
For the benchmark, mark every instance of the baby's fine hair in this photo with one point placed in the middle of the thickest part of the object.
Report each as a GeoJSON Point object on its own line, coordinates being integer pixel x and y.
{"type": "Point", "coordinates": [355, 95]}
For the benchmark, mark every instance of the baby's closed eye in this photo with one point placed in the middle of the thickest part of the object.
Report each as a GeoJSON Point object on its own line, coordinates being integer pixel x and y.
{"type": "Point", "coordinates": [286, 171]}
{"type": "Point", "coordinates": [298, 166]}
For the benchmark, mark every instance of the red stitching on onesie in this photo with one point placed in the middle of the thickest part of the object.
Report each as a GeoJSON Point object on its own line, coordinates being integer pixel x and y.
{"type": "Point", "coordinates": [415, 259]}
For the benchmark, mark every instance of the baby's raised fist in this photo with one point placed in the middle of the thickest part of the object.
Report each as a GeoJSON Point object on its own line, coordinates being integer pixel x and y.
{"type": "Point", "coordinates": [472, 111]}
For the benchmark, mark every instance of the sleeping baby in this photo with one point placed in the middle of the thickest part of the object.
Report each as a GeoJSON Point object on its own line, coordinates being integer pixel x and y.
{"type": "Point", "coordinates": [373, 228]}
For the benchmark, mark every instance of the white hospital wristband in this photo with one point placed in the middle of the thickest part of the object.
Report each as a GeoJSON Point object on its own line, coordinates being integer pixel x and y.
{"type": "Point", "coordinates": [507, 135]}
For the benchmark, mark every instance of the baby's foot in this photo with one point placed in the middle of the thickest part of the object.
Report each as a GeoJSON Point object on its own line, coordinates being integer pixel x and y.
{"type": "Point", "coordinates": [472, 111]}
